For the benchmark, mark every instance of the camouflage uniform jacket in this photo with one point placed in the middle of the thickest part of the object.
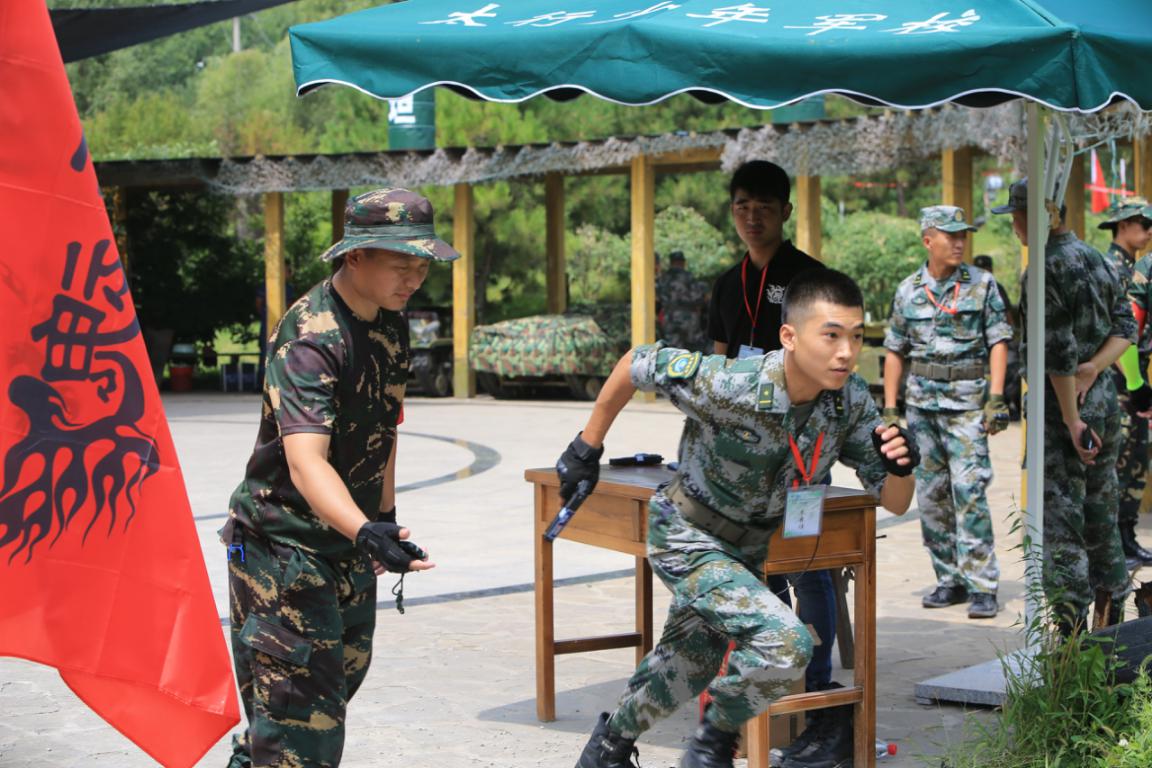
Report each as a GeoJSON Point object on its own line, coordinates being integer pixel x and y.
{"type": "Point", "coordinates": [919, 331]}
{"type": "Point", "coordinates": [678, 291]}
{"type": "Point", "coordinates": [1083, 306]}
{"type": "Point", "coordinates": [734, 452]}
{"type": "Point", "coordinates": [1140, 294]}
{"type": "Point", "coordinates": [329, 372]}
{"type": "Point", "coordinates": [1124, 262]}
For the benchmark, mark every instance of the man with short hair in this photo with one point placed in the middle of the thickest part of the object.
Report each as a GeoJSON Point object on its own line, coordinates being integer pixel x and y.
{"type": "Point", "coordinates": [744, 319]}
{"type": "Point", "coordinates": [680, 297]}
{"type": "Point", "coordinates": [1130, 222]}
{"type": "Point", "coordinates": [949, 322]}
{"type": "Point", "coordinates": [758, 433]}
{"type": "Point", "coordinates": [314, 520]}
{"type": "Point", "coordinates": [745, 315]}
{"type": "Point", "coordinates": [1088, 326]}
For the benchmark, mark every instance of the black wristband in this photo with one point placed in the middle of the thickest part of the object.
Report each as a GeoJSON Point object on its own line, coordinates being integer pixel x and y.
{"type": "Point", "coordinates": [585, 452]}
{"type": "Point", "coordinates": [389, 516]}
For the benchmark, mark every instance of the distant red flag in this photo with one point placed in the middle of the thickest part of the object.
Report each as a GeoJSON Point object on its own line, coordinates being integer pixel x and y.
{"type": "Point", "coordinates": [1100, 199]}
{"type": "Point", "coordinates": [101, 571]}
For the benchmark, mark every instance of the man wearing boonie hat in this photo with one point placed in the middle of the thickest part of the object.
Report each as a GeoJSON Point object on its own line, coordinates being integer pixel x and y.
{"type": "Point", "coordinates": [1088, 326]}
{"type": "Point", "coordinates": [314, 520]}
{"type": "Point", "coordinates": [1130, 222]}
{"type": "Point", "coordinates": [951, 325]}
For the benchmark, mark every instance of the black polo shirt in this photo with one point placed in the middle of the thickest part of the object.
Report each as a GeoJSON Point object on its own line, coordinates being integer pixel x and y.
{"type": "Point", "coordinates": [728, 317]}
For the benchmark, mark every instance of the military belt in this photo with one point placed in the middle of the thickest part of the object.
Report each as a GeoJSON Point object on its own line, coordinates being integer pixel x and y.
{"type": "Point", "coordinates": [711, 521]}
{"type": "Point", "coordinates": [941, 372]}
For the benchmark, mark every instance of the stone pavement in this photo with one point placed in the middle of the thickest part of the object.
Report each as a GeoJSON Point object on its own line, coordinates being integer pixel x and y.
{"type": "Point", "coordinates": [453, 679]}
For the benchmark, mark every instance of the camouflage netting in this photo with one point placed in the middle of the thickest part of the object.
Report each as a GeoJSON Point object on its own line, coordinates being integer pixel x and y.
{"type": "Point", "coordinates": [833, 147]}
{"type": "Point", "coordinates": [543, 345]}
{"type": "Point", "coordinates": [445, 166]}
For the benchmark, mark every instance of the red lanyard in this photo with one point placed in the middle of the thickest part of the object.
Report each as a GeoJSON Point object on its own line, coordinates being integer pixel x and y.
{"type": "Point", "coordinates": [955, 300]}
{"type": "Point", "coordinates": [753, 316]}
{"type": "Point", "coordinates": [805, 472]}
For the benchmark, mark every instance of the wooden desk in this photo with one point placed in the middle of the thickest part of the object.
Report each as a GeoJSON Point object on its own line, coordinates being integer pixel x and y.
{"type": "Point", "coordinates": [615, 517]}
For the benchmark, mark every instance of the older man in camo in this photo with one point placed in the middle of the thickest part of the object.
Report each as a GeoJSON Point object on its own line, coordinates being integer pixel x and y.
{"type": "Point", "coordinates": [1088, 326]}
{"type": "Point", "coordinates": [950, 323]}
{"type": "Point", "coordinates": [1130, 223]}
{"type": "Point", "coordinates": [314, 520]}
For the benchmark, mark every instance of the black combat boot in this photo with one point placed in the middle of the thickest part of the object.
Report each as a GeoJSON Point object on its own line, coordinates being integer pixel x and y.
{"type": "Point", "coordinates": [608, 750]}
{"type": "Point", "coordinates": [834, 746]}
{"type": "Point", "coordinates": [1133, 552]}
{"type": "Point", "coordinates": [710, 748]}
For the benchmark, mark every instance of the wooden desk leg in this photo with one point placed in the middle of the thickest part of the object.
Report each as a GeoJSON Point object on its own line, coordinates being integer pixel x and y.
{"type": "Point", "coordinates": [643, 608]}
{"type": "Point", "coordinates": [757, 741]}
{"type": "Point", "coordinates": [865, 672]}
{"type": "Point", "coordinates": [545, 629]}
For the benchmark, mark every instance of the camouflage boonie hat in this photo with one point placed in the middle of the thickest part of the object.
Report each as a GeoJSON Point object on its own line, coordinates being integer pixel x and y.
{"type": "Point", "coordinates": [1017, 198]}
{"type": "Point", "coordinates": [946, 218]}
{"type": "Point", "coordinates": [391, 220]}
{"type": "Point", "coordinates": [1131, 208]}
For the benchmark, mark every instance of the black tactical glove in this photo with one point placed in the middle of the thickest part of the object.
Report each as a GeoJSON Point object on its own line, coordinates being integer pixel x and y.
{"type": "Point", "coordinates": [890, 465]}
{"type": "Point", "coordinates": [381, 541]}
{"type": "Point", "coordinates": [579, 461]}
{"type": "Point", "coordinates": [1141, 399]}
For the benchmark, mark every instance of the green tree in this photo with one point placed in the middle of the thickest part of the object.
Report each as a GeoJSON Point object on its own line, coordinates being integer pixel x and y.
{"type": "Point", "coordinates": [878, 251]}
{"type": "Point", "coordinates": [683, 229]}
{"type": "Point", "coordinates": [187, 272]}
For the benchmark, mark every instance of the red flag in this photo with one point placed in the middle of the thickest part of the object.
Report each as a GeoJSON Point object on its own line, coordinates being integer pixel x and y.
{"type": "Point", "coordinates": [101, 571]}
{"type": "Point", "coordinates": [1100, 199]}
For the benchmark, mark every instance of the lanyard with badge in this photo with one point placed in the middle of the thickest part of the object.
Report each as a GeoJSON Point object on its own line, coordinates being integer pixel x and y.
{"type": "Point", "coordinates": [804, 505]}
{"type": "Point", "coordinates": [749, 349]}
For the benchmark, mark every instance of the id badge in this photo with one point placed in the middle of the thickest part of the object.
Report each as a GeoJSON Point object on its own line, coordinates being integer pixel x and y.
{"type": "Point", "coordinates": [748, 351]}
{"type": "Point", "coordinates": [804, 511]}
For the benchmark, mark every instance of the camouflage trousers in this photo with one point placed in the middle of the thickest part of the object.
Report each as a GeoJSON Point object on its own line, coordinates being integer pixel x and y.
{"type": "Point", "coordinates": [716, 598]}
{"type": "Point", "coordinates": [301, 642]}
{"type": "Point", "coordinates": [1082, 552]}
{"type": "Point", "coordinates": [1132, 466]}
{"type": "Point", "coordinates": [951, 485]}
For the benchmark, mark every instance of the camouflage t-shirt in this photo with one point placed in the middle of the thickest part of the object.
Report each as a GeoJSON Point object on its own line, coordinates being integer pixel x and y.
{"type": "Point", "coordinates": [950, 322]}
{"type": "Point", "coordinates": [328, 372]}
{"type": "Point", "coordinates": [1083, 306]}
{"type": "Point", "coordinates": [734, 453]}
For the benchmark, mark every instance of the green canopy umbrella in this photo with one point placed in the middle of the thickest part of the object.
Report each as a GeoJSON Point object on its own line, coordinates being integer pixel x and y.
{"type": "Point", "coordinates": [1068, 54]}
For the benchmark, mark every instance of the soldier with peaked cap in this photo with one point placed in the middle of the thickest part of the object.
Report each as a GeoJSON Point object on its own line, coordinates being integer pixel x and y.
{"type": "Point", "coordinates": [950, 324]}
{"type": "Point", "coordinates": [1088, 326]}
{"type": "Point", "coordinates": [314, 520]}
{"type": "Point", "coordinates": [1130, 222]}
{"type": "Point", "coordinates": [760, 433]}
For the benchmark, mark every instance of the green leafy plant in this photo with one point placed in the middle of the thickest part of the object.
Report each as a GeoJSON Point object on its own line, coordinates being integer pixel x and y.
{"type": "Point", "coordinates": [1064, 707]}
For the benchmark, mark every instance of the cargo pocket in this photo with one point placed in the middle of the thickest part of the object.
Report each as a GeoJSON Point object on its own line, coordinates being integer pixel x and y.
{"type": "Point", "coordinates": [281, 659]}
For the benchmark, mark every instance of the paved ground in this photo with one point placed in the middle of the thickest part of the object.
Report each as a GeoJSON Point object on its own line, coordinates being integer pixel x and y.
{"type": "Point", "coordinates": [453, 679]}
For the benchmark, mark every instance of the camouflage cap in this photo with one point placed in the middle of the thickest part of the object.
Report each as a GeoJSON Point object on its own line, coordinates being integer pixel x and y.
{"type": "Point", "coordinates": [391, 220]}
{"type": "Point", "coordinates": [1017, 198]}
{"type": "Point", "coordinates": [946, 218]}
{"type": "Point", "coordinates": [1121, 210]}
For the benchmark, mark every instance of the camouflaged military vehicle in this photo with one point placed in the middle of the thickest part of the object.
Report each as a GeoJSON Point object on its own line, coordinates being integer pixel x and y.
{"type": "Point", "coordinates": [576, 350]}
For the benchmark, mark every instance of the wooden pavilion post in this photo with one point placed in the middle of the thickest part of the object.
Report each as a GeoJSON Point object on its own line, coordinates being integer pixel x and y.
{"type": "Point", "coordinates": [556, 271]}
{"type": "Point", "coordinates": [463, 291]}
{"type": "Point", "coordinates": [339, 200]}
{"type": "Point", "coordinates": [1074, 197]}
{"type": "Point", "coordinates": [807, 213]}
{"type": "Point", "coordinates": [957, 185]}
{"type": "Point", "coordinates": [643, 186]}
{"type": "Point", "coordinates": [274, 293]}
